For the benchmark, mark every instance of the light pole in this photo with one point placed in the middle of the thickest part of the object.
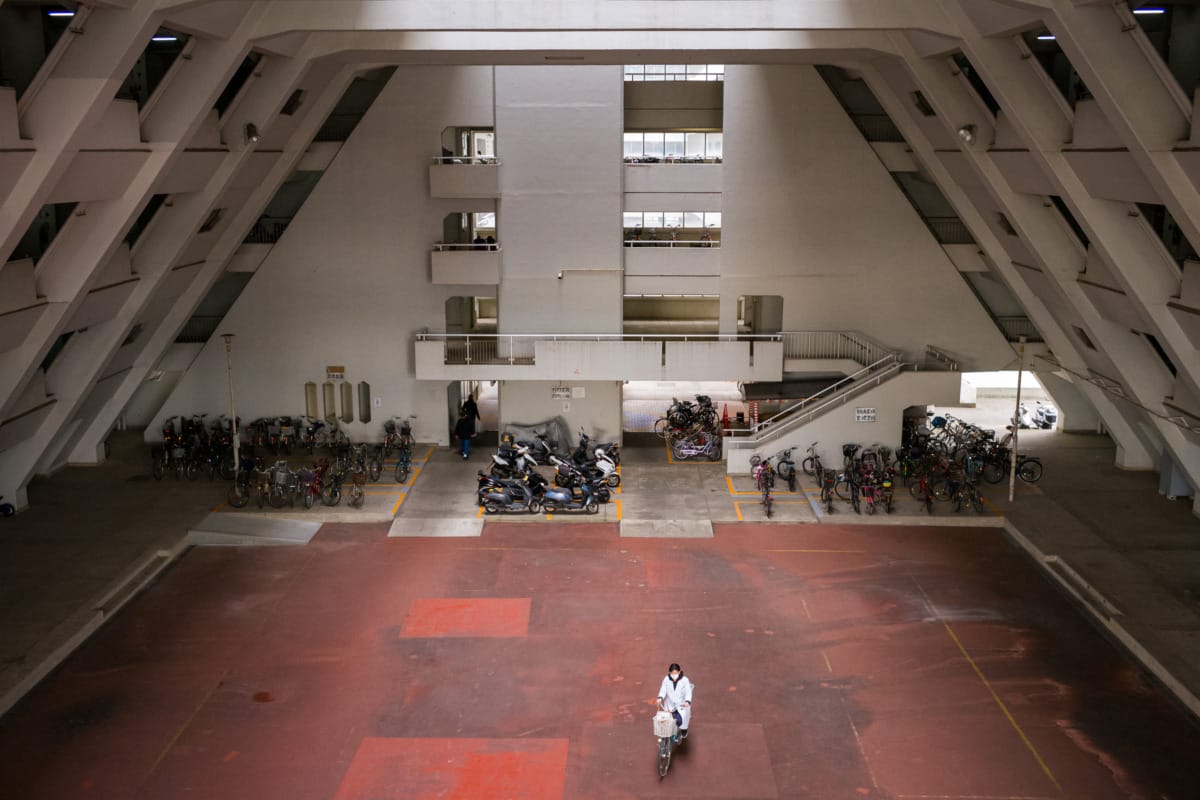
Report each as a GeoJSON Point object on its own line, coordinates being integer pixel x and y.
{"type": "Point", "coordinates": [233, 420]}
{"type": "Point", "coordinates": [1016, 425]}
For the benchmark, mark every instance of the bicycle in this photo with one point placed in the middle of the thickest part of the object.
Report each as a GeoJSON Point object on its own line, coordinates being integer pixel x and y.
{"type": "Point", "coordinates": [812, 463]}
{"type": "Point", "coordinates": [828, 480]}
{"type": "Point", "coordinates": [404, 459]}
{"type": "Point", "coordinates": [764, 480]}
{"type": "Point", "coordinates": [786, 468]}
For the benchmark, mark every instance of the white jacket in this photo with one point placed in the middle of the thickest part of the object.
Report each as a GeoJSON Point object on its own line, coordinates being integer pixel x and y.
{"type": "Point", "coordinates": [674, 696]}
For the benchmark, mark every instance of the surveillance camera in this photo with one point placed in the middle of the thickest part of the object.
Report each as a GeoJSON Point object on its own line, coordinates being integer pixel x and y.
{"type": "Point", "coordinates": [560, 275]}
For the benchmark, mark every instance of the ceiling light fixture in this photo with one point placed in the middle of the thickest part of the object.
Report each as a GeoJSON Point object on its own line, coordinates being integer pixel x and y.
{"type": "Point", "coordinates": [1149, 11]}
{"type": "Point", "coordinates": [1046, 37]}
{"type": "Point", "coordinates": [164, 38]}
{"type": "Point", "coordinates": [60, 13]}
{"type": "Point", "coordinates": [251, 132]}
{"type": "Point", "coordinates": [967, 133]}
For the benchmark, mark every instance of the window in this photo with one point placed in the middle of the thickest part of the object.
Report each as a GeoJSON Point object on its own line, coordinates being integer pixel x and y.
{"type": "Point", "coordinates": [674, 72]}
{"type": "Point", "coordinates": [672, 146]}
{"type": "Point", "coordinates": [485, 220]}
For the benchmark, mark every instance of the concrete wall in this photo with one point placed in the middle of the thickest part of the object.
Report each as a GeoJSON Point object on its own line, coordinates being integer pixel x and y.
{"type": "Point", "coordinates": [811, 214]}
{"type": "Point", "coordinates": [348, 284]}
{"type": "Point", "coordinates": [598, 412]}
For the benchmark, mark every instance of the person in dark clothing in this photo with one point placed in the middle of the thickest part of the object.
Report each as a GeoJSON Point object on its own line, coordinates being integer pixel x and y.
{"type": "Point", "coordinates": [470, 409]}
{"type": "Point", "coordinates": [464, 430]}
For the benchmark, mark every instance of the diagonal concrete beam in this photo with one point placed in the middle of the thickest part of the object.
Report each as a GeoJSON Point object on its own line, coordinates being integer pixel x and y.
{"type": "Point", "coordinates": [1059, 256]}
{"type": "Point", "coordinates": [325, 84]}
{"type": "Point", "coordinates": [1139, 96]}
{"type": "Point", "coordinates": [905, 116]}
{"type": "Point", "coordinates": [80, 79]}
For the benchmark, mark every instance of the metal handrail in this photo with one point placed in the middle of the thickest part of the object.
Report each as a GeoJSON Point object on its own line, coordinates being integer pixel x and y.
{"type": "Point", "coordinates": [465, 160]}
{"type": "Point", "coordinates": [833, 344]}
{"type": "Point", "coordinates": [440, 246]}
{"type": "Point", "coordinates": [942, 356]}
{"type": "Point", "coordinates": [866, 373]}
{"type": "Point", "coordinates": [672, 243]}
{"type": "Point", "coordinates": [427, 336]}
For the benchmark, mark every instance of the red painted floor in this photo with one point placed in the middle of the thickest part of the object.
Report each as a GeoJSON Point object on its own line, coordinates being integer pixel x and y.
{"type": "Point", "coordinates": [901, 663]}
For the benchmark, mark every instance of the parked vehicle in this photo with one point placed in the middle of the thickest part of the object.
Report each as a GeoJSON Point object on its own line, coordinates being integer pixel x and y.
{"type": "Point", "coordinates": [522, 494]}
{"type": "Point", "coordinates": [509, 462]}
{"type": "Point", "coordinates": [575, 498]}
{"type": "Point", "coordinates": [1045, 415]}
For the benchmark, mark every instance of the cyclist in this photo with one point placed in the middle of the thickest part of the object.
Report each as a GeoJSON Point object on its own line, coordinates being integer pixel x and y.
{"type": "Point", "coordinates": [675, 696]}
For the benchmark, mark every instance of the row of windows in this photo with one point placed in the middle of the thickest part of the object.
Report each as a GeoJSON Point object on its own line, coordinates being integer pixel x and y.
{"type": "Point", "coordinates": [662, 145]}
{"type": "Point", "coordinates": [671, 219]}
{"type": "Point", "coordinates": [674, 72]}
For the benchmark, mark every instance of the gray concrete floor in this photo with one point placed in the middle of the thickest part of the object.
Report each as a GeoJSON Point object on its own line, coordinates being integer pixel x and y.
{"type": "Point", "coordinates": [89, 527]}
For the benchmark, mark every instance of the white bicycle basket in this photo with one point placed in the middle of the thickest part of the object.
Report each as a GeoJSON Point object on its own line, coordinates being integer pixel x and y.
{"type": "Point", "coordinates": [664, 724]}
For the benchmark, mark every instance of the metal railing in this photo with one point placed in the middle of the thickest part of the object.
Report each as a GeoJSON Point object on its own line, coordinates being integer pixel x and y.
{"type": "Point", "coordinates": [1016, 327]}
{"type": "Point", "coordinates": [466, 160]}
{"type": "Point", "coordinates": [441, 246]}
{"type": "Point", "coordinates": [519, 348]}
{"type": "Point", "coordinates": [799, 413]}
{"type": "Point", "coordinates": [833, 344]}
{"type": "Point", "coordinates": [672, 242]}
{"type": "Point", "coordinates": [646, 160]}
{"type": "Point", "coordinates": [943, 358]}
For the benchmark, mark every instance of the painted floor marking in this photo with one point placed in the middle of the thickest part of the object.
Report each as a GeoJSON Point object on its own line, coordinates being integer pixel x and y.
{"type": "Point", "coordinates": [978, 672]}
{"type": "Point", "coordinates": [618, 510]}
{"type": "Point", "coordinates": [399, 503]}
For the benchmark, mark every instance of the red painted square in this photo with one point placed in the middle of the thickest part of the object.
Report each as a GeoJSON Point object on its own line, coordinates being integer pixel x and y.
{"type": "Point", "coordinates": [459, 616]}
{"type": "Point", "coordinates": [416, 769]}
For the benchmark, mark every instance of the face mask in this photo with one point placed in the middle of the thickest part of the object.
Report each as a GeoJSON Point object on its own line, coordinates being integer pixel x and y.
{"type": "Point", "coordinates": [674, 676]}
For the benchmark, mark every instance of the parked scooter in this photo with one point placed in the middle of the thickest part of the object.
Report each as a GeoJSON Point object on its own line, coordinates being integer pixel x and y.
{"type": "Point", "coordinates": [599, 465]}
{"type": "Point", "coordinates": [511, 462]}
{"type": "Point", "coordinates": [1045, 415]}
{"type": "Point", "coordinates": [576, 498]}
{"type": "Point", "coordinates": [1023, 419]}
{"type": "Point", "coordinates": [569, 476]}
{"type": "Point", "coordinates": [593, 448]}
{"type": "Point", "coordinates": [510, 494]}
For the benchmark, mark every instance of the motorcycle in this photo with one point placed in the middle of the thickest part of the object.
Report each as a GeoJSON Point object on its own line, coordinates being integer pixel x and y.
{"type": "Point", "coordinates": [611, 450]}
{"type": "Point", "coordinates": [1023, 419]}
{"type": "Point", "coordinates": [569, 476]}
{"type": "Point", "coordinates": [510, 494]}
{"type": "Point", "coordinates": [1045, 415]}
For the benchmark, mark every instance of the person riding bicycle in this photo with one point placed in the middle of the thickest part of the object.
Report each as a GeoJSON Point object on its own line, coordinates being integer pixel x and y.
{"type": "Point", "coordinates": [675, 696]}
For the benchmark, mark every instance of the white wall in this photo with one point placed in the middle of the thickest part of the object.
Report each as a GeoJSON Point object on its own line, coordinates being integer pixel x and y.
{"type": "Point", "coordinates": [810, 213]}
{"type": "Point", "coordinates": [598, 412]}
{"type": "Point", "coordinates": [348, 284]}
{"type": "Point", "coordinates": [558, 138]}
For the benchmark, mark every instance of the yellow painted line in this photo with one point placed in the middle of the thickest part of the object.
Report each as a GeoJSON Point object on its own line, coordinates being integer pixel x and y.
{"type": "Point", "coordinates": [1028, 744]}
{"type": "Point", "coordinates": [399, 503]}
{"type": "Point", "coordinates": [825, 656]}
{"type": "Point", "coordinates": [618, 489]}
{"type": "Point", "coordinates": [737, 506]}
{"type": "Point", "coordinates": [618, 509]}
{"type": "Point", "coordinates": [479, 514]}
{"type": "Point", "coordinates": [219, 507]}
{"type": "Point", "coordinates": [383, 492]}
{"type": "Point", "coordinates": [732, 491]}
{"type": "Point", "coordinates": [667, 444]}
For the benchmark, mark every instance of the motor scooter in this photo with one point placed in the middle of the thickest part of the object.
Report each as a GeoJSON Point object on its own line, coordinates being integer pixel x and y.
{"type": "Point", "coordinates": [576, 498]}
{"type": "Point", "coordinates": [1045, 415]}
{"type": "Point", "coordinates": [510, 494]}
{"type": "Point", "coordinates": [511, 462]}
{"type": "Point", "coordinates": [1023, 419]}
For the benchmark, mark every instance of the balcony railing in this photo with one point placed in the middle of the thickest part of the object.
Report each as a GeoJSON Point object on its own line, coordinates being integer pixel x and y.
{"type": "Point", "coordinates": [833, 345]}
{"type": "Point", "coordinates": [439, 247]}
{"type": "Point", "coordinates": [466, 160]}
{"type": "Point", "coordinates": [672, 242]}
{"type": "Point", "coordinates": [519, 348]}
{"type": "Point", "coordinates": [672, 159]}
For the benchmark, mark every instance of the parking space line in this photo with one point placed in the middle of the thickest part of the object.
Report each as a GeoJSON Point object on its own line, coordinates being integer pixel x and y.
{"type": "Point", "coordinates": [399, 503]}
{"type": "Point", "coordinates": [618, 510]}
{"type": "Point", "coordinates": [732, 491]}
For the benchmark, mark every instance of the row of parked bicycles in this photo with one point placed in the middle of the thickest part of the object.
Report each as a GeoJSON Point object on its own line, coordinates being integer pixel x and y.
{"type": "Point", "coordinates": [192, 448]}
{"type": "Point", "coordinates": [582, 481]}
{"type": "Point", "coordinates": [943, 462]}
{"type": "Point", "coordinates": [692, 429]}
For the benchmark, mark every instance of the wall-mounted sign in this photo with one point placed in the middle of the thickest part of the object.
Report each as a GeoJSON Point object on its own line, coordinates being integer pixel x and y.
{"type": "Point", "coordinates": [560, 392]}
{"type": "Point", "coordinates": [335, 373]}
{"type": "Point", "coordinates": [577, 392]}
{"type": "Point", "coordinates": [864, 414]}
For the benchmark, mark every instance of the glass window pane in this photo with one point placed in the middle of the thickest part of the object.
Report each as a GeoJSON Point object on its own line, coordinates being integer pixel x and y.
{"type": "Point", "coordinates": [485, 219]}
{"type": "Point", "coordinates": [712, 145]}
{"type": "Point", "coordinates": [631, 219]}
{"type": "Point", "coordinates": [697, 69]}
{"type": "Point", "coordinates": [716, 69]}
{"type": "Point", "coordinates": [633, 145]}
{"type": "Point", "coordinates": [676, 71]}
{"type": "Point", "coordinates": [712, 219]}
{"type": "Point", "coordinates": [695, 145]}
{"type": "Point", "coordinates": [674, 144]}
{"type": "Point", "coordinates": [701, 77]}
{"type": "Point", "coordinates": [653, 219]}
{"type": "Point", "coordinates": [672, 219]}
{"type": "Point", "coordinates": [693, 219]}
{"type": "Point", "coordinates": [654, 145]}
{"type": "Point", "coordinates": [634, 69]}
{"type": "Point", "coordinates": [655, 69]}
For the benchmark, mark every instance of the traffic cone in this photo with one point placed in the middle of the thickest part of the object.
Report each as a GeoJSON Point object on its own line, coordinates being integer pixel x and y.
{"type": "Point", "coordinates": [725, 416]}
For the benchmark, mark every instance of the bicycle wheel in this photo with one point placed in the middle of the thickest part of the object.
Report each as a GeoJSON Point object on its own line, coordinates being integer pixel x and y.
{"type": "Point", "coordinates": [842, 489]}
{"type": "Point", "coordinates": [917, 490]}
{"type": "Point", "coordinates": [662, 427]}
{"type": "Point", "coordinates": [192, 470]}
{"type": "Point", "coordinates": [226, 469]}
{"type": "Point", "coordinates": [928, 502]}
{"type": "Point", "coordinates": [357, 495]}
{"type": "Point", "coordinates": [238, 495]}
{"type": "Point", "coordinates": [994, 471]}
{"type": "Point", "coordinates": [767, 501]}
{"type": "Point", "coordinates": [828, 497]}
{"type": "Point", "coordinates": [854, 500]}
{"type": "Point", "coordinates": [1030, 470]}
{"type": "Point", "coordinates": [157, 468]}
{"type": "Point", "coordinates": [664, 758]}
{"type": "Point", "coordinates": [870, 503]}
{"type": "Point", "coordinates": [331, 495]}
{"type": "Point", "coordinates": [809, 465]}
{"type": "Point", "coordinates": [977, 501]}
{"type": "Point", "coordinates": [401, 472]}
{"type": "Point", "coordinates": [375, 468]}
{"type": "Point", "coordinates": [277, 497]}
{"type": "Point", "coordinates": [791, 480]}
{"type": "Point", "coordinates": [309, 497]}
